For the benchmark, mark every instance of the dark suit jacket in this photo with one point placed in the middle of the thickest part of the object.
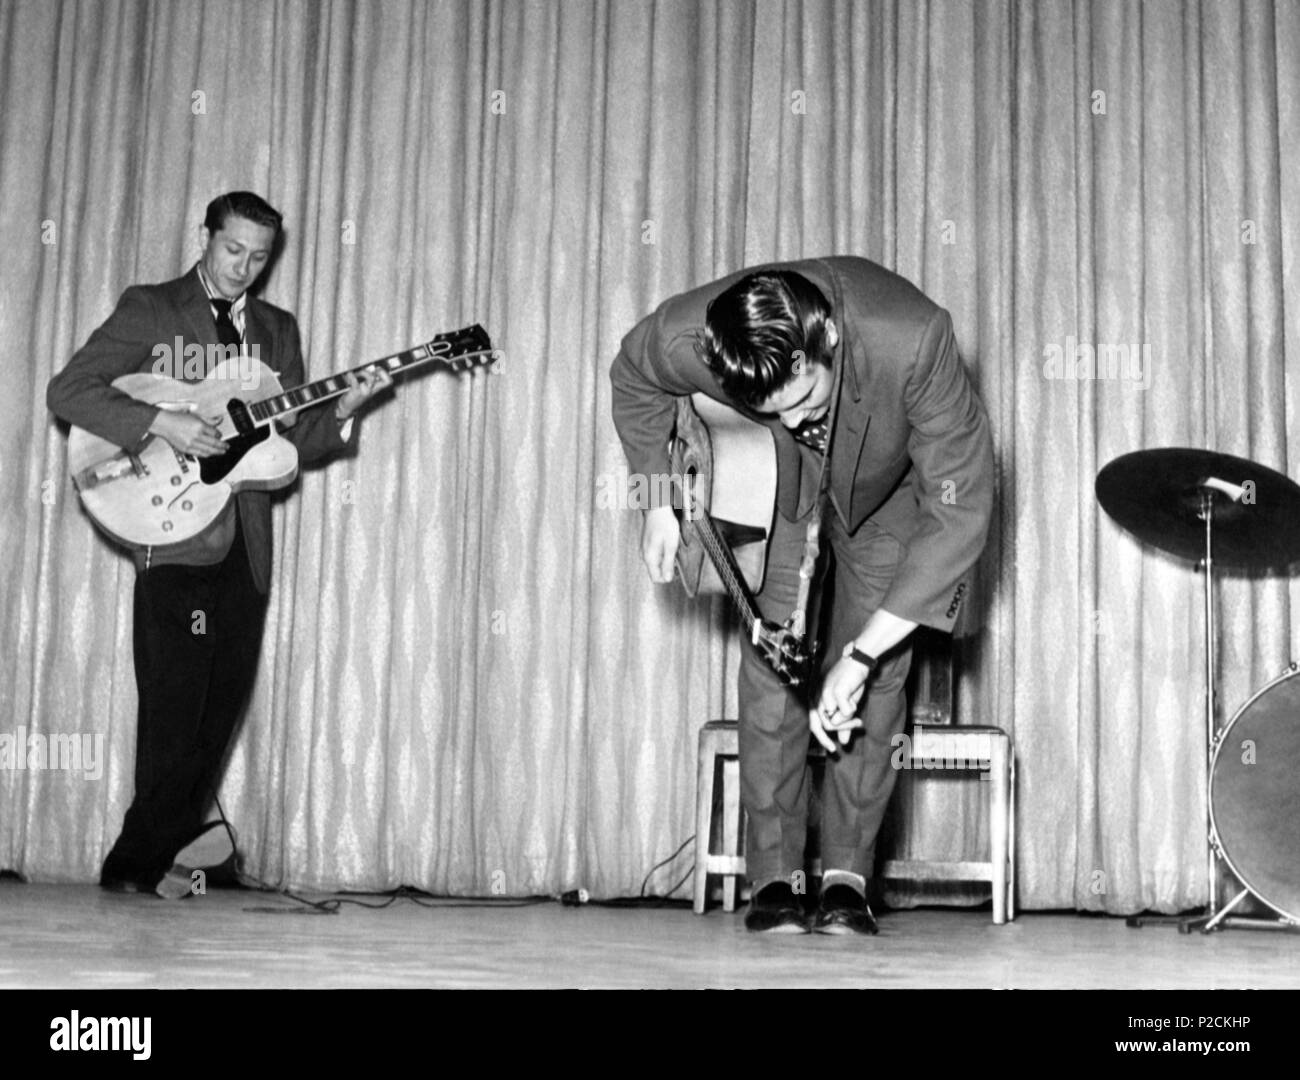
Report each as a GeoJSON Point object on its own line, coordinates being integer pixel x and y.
{"type": "Point", "coordinates": [150, 315]}
{"type": "Point", "coordinates": [911, 450]}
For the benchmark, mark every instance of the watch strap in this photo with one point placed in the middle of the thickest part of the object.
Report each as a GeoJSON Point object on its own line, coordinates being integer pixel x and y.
{"type": "Point", "coordinates": [866, 660]}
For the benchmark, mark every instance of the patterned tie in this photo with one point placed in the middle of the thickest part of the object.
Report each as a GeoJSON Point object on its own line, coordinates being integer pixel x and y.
{"type": "Point", "coordinates": [226, 331]}
{"type": "Point", "coordinates": [813, 434]}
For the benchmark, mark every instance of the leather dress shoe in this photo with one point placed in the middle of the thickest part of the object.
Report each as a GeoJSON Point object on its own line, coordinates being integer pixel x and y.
{"type": "Point", "coordinates": [209, 849]}
{"type": "Point", "coordinates": [209, 857]}
{"type": "Point", "coordinates": [775, 909]}
{"type": "Point", "coordinates": [843, 910]}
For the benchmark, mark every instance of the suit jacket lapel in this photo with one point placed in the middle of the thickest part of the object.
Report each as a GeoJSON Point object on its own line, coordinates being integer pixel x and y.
{"type": "Point", "coordinates": [853, 420]}
{"type": "Point", "coordinates": [255, 333]}
{"type": "Point", "coordinates": [200, 328]}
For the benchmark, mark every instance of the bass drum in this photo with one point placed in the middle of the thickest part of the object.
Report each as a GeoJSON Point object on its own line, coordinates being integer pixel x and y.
{"type": "Point", "coordinates": [1255, 794]}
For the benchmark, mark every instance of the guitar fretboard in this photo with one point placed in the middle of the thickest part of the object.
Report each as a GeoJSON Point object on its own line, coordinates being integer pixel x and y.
{"type": "Point", "coordinates": [469, 347]}
{"type": "Point", "coordinates": [725, 565]}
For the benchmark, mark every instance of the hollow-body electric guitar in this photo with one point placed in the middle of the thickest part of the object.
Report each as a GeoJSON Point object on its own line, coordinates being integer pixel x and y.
{"type": "Point", "coordinates": [725, 466]}
{"type": "Point", "coordinates": [158, 495]}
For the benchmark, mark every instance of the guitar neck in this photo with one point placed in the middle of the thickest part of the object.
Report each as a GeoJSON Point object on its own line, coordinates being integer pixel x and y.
{"type": "Point", "coordinates": [469, 347]}
{"type": "Point", "coordinates": [723, 562]}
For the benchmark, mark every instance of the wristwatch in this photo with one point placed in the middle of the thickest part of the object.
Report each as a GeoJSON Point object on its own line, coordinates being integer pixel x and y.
{"type": "Point", "coordinates": [852, 652]}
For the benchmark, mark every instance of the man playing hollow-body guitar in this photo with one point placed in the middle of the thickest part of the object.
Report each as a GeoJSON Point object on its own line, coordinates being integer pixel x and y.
{"type": "Point", "coordinates": [879, 432]}
{"type": "Point", "coordinates": [199, 605]}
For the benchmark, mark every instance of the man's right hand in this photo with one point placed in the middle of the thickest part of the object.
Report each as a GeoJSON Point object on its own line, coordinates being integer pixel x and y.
{"type": "Point", "coordinates": [188, 433]}
{"type": "Point", "coordinates": [660, 537]}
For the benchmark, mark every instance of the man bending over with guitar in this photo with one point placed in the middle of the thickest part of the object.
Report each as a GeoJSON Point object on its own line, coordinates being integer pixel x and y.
{"type": "Point", "coordinates": [194, 675]}
{"type": "Point", "coordinates": [881, 439]}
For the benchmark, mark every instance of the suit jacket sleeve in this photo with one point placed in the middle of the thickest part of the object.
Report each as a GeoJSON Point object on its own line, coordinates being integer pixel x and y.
{"type": "Point", "coordinates": [656, 365]}
{"type": "Point", "coordinates": [81, 393]}
{"type": "Point", "coordinates": [952, 456]}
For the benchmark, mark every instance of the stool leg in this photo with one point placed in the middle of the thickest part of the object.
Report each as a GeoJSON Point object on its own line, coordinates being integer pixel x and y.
{"type": "Point", "coordinates": [1011, 837]}
{"type": "Point", "coordinates": [730, 825]}
{"type": "Point", "coordinates": [704, 769]}
{"type": "Point", "coordinates": [998, 818]}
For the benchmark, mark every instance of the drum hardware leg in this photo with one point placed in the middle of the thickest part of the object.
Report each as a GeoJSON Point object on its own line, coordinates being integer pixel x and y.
{"type": "Point", "coordinates": [1136, 922]}
{"type": "Point", "coordinates": [1246, 922]}
{"type": "Point", "coordinates": [1213, 923]}
{"type": "Point", "coordinates": [1185, 923]}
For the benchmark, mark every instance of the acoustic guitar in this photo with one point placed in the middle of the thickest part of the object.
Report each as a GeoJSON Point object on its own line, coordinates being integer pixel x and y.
{"type": "Point", "coordinates": [158, 495]}
{"type": "Point", "coordinates": [724, 465]}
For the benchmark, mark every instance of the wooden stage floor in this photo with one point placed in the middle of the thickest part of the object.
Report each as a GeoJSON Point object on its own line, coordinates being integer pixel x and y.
{"type": "Point", "coordinates": [55, 936]}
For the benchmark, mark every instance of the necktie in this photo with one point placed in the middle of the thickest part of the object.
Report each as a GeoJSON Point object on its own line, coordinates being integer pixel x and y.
{"type": "Point", "coordinates": [226, 331]}
{"type": "Point", "coordinates": [813, 434]}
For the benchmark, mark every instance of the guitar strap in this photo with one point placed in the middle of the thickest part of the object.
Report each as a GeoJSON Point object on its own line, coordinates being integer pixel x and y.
{"type": "Point", "coordinates": [798, 622]}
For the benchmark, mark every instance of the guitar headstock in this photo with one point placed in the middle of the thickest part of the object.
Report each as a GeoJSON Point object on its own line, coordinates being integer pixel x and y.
{"type": "Point", "coordinates": [785, 653]}
{"type": "Point", "coordinates": [461, 350]}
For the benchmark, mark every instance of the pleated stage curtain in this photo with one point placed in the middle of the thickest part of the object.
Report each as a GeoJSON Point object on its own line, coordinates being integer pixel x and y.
{"type": "Point", "coordinates": [467, 683]}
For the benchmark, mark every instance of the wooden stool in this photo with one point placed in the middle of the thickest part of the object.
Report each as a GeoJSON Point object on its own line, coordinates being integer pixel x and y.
{"type": "Point", "coordinates": [719, 751]}
{"type": "Point", "coordinates": [958, 748]}
{"type": "Point", "coordinates": [953, 746]}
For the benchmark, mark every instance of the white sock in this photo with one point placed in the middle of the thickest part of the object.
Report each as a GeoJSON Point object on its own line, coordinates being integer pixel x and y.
{"type": "Point", "coordinates": [845, 877]}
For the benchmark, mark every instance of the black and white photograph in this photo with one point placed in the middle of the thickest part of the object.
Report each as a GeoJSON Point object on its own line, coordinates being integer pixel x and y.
{"type": "Point", "coordinates": [651, 494]}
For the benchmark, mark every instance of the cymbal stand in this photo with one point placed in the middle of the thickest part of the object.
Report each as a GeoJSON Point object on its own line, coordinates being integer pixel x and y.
{"type": "Point", "coordinates": [1186, 923]}
{"type": "Point", "coordinates": [1206, 514]}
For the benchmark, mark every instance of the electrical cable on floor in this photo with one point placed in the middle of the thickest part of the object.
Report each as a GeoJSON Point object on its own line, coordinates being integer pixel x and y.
{"type": "Point", "coordinates": [332, 904]}
{"type": "Point", "coordinates": [578, 897]}
{"type": "Point", "coordinates": [646, 880]}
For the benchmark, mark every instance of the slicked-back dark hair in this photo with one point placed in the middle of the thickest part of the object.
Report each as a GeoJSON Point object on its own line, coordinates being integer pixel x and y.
{"type": "Point", "coordinates": [757, 331]}
{"type": "Point", "coordinates": [242, 204]}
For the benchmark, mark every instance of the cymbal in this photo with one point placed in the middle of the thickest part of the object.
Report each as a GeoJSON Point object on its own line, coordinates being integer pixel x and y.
{"type": "Point", "coordinates": [1157, 495]}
